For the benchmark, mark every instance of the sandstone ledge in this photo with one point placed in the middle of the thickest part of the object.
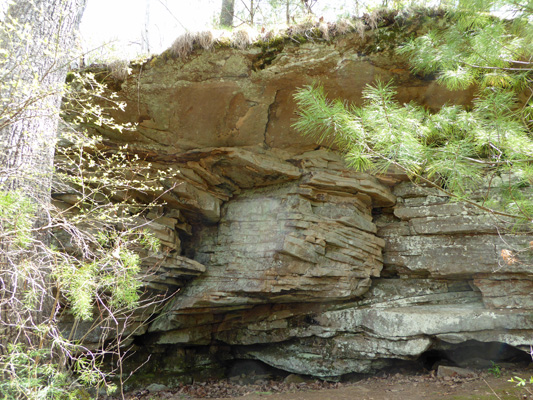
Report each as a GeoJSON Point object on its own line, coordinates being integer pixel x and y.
{"type": "Point", "coordinates": [287, 256]}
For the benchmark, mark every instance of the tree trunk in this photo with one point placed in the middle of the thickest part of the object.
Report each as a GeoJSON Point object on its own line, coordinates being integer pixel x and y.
{"type": "Point", "coordinates": [307, 6]}
{"type": "Point", "coordinates": [38, 36]}
{"type": "Point", "coordinates": [252, 12]}
{"type": "Point", "coordinates": [226, 13]}
{"type": "Point", "coordinates": [145, 36]}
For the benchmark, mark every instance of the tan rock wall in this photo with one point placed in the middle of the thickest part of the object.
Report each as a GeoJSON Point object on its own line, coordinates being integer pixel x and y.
{"type": "Point", "coordinates": [274, 242]}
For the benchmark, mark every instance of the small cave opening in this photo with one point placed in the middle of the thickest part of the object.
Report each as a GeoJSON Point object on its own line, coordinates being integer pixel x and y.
{"type": "Point", "coordinates": [431, 359]}
{"type": "Point", "coordinates": [246, 371]}
{"type": "Point", "coordinates": [376, 212]}
{"type": "Point", "coordinates": [474, 355]}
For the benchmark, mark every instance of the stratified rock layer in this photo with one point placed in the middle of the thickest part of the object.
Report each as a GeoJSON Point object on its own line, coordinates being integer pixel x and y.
{"type": "Point", "coordinates": [282, 252]}
{"type": "Point", "coordinates": [297, 242]}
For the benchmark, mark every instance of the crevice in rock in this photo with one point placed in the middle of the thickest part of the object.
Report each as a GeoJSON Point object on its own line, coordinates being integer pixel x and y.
{"type": "Point", "coordinates": [267, 124]}
{"type": "Point", "coordinates": [270, 50]}
{"type": "Point", "coordinates": [474, 355]}
{"type": "Point", "coordinates": [246, 371]}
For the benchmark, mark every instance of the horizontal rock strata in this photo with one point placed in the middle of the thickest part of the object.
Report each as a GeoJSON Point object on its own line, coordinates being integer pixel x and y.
{"type": "Point", "coordinates": [297, 242]}
{"type": "Point", "coordinates": [275, 250]}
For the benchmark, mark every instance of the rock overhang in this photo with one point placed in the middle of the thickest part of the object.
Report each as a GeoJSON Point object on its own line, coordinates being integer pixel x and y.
{"type": "Point", "coordinates": [275, 243]}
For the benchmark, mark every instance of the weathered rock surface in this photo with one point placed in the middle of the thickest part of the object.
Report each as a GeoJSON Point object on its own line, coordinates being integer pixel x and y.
{"type": "Point", "coordinates": [281, 251]}
{"type": "Point", "coordinates": [296, 242]}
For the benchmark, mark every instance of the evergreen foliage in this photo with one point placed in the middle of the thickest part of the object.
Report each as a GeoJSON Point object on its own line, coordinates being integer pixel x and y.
{"type": "Point", "coordinates": [458, 147]}
{"type": "Point", "coordinates": [16, 215]}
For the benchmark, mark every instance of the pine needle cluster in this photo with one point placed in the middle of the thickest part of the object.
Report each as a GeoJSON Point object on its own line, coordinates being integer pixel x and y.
{"type": "Point", "coordinates": [457, 148]}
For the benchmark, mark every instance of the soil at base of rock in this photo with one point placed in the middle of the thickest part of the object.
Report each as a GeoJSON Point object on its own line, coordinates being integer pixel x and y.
{"type": "Point", "coordinates": [428, 386]}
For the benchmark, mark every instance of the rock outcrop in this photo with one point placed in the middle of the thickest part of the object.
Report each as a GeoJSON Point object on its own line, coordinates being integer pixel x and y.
{"type": "Point", "coordinates": [283, 254]}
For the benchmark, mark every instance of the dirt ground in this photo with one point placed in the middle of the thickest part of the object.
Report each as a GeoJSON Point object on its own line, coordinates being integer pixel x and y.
{"type": "Point", "coordinates": [372, 389]}
{"type": "Point", "coordinates": [482, 385]}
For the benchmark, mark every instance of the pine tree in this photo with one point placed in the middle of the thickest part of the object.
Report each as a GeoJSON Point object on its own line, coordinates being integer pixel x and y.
{"type": "Point", "coordinates": [455, 148]}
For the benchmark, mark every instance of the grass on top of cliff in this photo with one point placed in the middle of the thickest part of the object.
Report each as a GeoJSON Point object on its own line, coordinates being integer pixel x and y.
{"type": "Point", "coordinates": [308, 29]}
{"type": "Point", "coordinates": [272, 41]}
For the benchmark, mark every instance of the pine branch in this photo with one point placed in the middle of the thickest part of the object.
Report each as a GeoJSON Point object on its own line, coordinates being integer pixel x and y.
{"type": "Point", "coordinates": [497, 68]}
{"type": "Point", "coordinates": [380, 134]}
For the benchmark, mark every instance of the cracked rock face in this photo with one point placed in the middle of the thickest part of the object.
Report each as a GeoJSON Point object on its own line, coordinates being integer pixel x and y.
{"type": "Point", "coordinates": [283, 253]}
{"type": "Point", "coordinates": [296, 244]}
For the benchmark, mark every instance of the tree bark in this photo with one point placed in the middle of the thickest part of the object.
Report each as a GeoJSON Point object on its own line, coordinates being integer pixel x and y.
{"type": "Point", "coordinates": [227, 12]}
{"type": "Point", "coordinates": [307, 6]}
{"type": "Point", "coordinates": [145, 36]}
{"type": "Point", "coordinates": [38, 37]}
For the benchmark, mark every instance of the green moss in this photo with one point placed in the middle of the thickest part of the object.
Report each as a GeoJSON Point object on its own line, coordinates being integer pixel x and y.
{"type": "Point", "coordinates": [269, 51]}
{"type": "Point", "coordinates": [275, 42]}
{"type": "Point", "coordinates": [172, 366]}
{"type": "Point", "coordinates": [394, 29]}
{"type": "Point", "coordinates": [158, 60]}
{"type": "Point", "coordinates": [166, 55]}
{"type": "Point", "coordinates": [70, 76]}
{"type": "Point", "coordinates": [223, 43]}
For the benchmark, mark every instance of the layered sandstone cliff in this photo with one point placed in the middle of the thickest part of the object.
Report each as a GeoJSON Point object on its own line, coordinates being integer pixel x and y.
{"type": "Point", "coordinates": [283, 254]}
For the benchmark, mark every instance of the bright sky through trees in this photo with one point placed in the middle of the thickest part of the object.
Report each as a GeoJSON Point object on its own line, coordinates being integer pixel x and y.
{"type": "Point", "coordinates": [122, 22]}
